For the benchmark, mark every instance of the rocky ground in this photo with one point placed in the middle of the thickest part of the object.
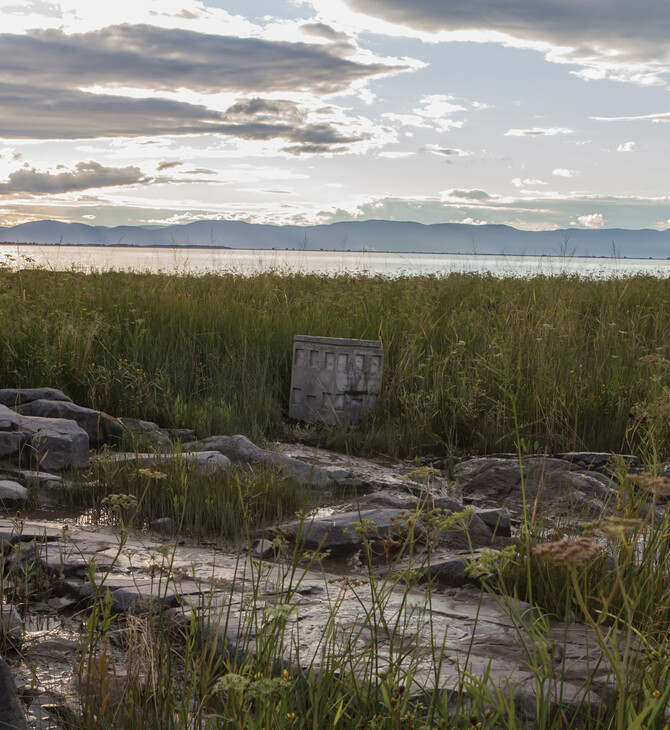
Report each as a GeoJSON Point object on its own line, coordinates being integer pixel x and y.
{"type": "Point", "coordinates": [43, 436]}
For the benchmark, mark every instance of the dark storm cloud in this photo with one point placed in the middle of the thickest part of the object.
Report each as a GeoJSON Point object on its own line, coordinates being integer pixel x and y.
{"type": "Point", "coordinates": [637, 30]}
{"type": "Point", "coordinates": [144, 56]}
{"type": "Point", "coordinates": [84, 176]}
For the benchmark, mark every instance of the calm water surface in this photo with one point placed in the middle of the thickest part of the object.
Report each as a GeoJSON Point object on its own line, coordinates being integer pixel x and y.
{"type": "Point", "coordinates": [239, 261]}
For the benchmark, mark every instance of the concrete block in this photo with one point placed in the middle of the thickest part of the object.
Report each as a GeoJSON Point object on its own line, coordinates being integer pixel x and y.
{"type": "Point", "coordinates": [334, 380]}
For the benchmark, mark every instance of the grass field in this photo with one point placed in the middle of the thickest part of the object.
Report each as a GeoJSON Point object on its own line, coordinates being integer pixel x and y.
{"type": "Point", "coordinates": [473, 363]}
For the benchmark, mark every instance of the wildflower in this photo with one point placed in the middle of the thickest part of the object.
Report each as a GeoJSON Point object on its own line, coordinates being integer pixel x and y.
{"type": "Point", "coordinates": [611, 527]}
{"type": "Point", "coordinates": [231, 683]}
{"type": "Point", "coordinates": [568, 552]}
{"type": "Point", "coordinates": [656, 486]}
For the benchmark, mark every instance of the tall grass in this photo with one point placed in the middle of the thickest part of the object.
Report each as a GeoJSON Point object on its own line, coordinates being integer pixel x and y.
{"type": "Point", "coordinates": [214, 352]}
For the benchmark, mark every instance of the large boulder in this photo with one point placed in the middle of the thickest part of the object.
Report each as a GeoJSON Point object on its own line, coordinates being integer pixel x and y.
{"type": "Point", "coordinates": [54, 443]}
{"type": "Point", "coordinates": [14, 397]}
{"type": "Point", "coordinates": [99, 426]}
{"type": "Point", "coordinates": [47, 443]}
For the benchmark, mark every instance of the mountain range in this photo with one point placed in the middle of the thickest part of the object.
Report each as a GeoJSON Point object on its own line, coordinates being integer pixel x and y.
{"type": "Point", "coordinates": [370, 235]}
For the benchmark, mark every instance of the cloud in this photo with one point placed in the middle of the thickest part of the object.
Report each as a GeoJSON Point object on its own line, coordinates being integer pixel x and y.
{"type": "Point", "coordinates": [433, 112]}
{"type": "Point", "coordinates": [538, 132]}
{"type": "Point", "coordinates": [108, 82]}
{"type": "Point", "coordinates": [395, 155]}
{"type": "Point", "coordinates": [323, 30]}
{"type": "Point", "coordinates": [519, 182]}
{"type": "Point", "coordinates": [164, 59]}
{"type": "Point", "coordinates": [592, 220]}
{"type": "Point", "coordinates": [621, 40]}
{"type": "Point", "coordinates": [626, 147]}
{"type": "Point", "coordinates": [84, 176]}
{"type": "Point", "coordinates": [445, 151]}
{"type": "Point", "coordinates": [168, 165]}
{"type": "Point", "coordinates": [562, 172]}
{"type": "Point", "coordinates": [30, 113]}
{"type": "Point", "coordinates": [476, 195]}
{"type": "Point", "coordinates": [658, 118]}
{"type": "Point", "coordinates": [526, 211]}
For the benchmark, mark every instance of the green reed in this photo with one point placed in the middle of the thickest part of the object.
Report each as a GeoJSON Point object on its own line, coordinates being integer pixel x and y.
{"type": "Point", "coordinates": [214, 352]}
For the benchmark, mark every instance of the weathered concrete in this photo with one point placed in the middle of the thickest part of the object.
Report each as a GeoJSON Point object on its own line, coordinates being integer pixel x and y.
{"type": "Point", "coordinates": [334, 380]}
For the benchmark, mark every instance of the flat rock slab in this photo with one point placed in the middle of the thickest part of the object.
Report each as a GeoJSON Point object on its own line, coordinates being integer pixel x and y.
{"type": "Point", "coordinates": [203, 462]}
{"type": "Point", "coordinates": [240, 602]}
{"type": "Point", "coordinates": [560, 487]}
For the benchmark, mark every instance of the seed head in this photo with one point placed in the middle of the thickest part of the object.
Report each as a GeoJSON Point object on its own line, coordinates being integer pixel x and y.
{"type": "Point", "coordinates": [568, 552]}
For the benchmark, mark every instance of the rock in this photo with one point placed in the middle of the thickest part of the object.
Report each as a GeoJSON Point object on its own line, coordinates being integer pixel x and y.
{"type": "Point", "coordinates": [180, 434]}
{"type": "Point", "coordinates": [240, 448]}
{"type": "Point", "coordinates": [14, 397]}
{"type": "Point", "coordinates": [203, 462]}
{"type": "Point", "coordinates": [601, 461]}
{"type": "Point", "coordinates": [32, 478]}
{"type": "Point", "coordinates": [9, 421]}
{"type": "Point", "coordinates": [497, 520]}
{"type": "Point", "coordinates": [339, 533]}
{"type": "Point", "coordinates": [473, 534]}
{"type": "Point", "coordinates": [145, 434]}
{"type": "Point", "coordinates": [12, 493]}
{"type": "Point", "coordinates": [10, 443]}
{"type": "Point", "coordinates": [263, 549]}
{"type": "Point", "coordinates": [207, 462]}
{"type": "Point", "coordinates": [12, 716]}
{"type": "Point", "coordinates": [237, 609]}
{"type": "Point", "coordinates": [386, 498]}
{"type": "Point", "coordinates": [99, 426]}
{"type": "Point", "coordinates": [449, 572]}
{"type": "Point", "coordinates": [561, 489]}
{"type": "Point", "coordinates": [54, 443]}
{"type": "Point", "coordinates": [10, 437]}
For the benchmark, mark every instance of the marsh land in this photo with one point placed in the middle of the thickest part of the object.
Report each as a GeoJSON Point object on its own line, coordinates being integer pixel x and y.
{"type": "Point", "coordinates": [492, 387]}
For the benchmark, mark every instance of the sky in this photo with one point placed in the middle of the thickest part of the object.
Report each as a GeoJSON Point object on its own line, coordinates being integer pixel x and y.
{"type": "Point", "coordinates": [539, 114]}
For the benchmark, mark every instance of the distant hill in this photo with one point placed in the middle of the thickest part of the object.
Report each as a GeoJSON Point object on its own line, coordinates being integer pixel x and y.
{"type": "Point", "coordinates": [373, 235]}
